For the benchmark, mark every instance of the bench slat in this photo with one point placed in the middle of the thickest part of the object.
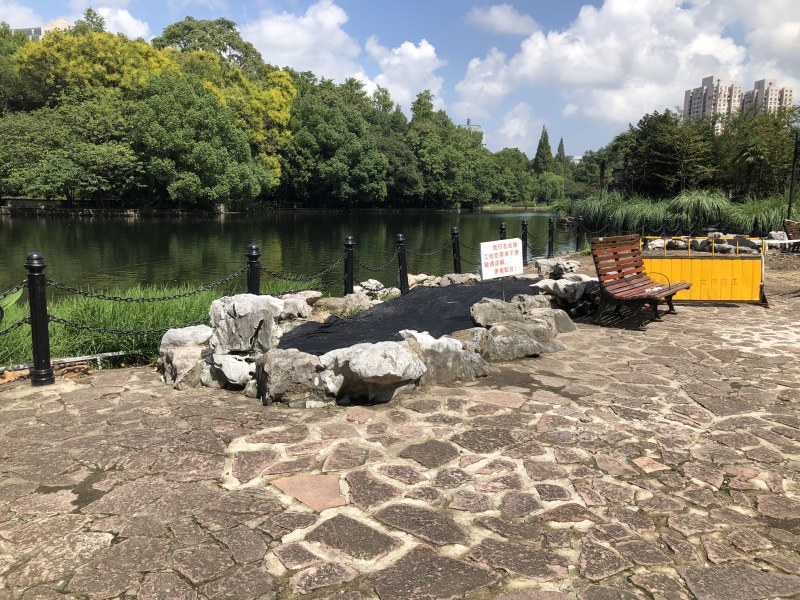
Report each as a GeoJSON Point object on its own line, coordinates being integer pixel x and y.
{"type": "Point", "coordinates": [622, 275]}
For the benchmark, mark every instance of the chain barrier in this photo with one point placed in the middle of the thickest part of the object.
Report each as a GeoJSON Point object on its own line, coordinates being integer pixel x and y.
{"type": "Point", "coordinates": [303, 279]}
{"type": "Point", "coordinates": [474, 263]}
{"type": "Point", "coordinates": [15, 326]}
{"type": "Point", "coordinates": [468, 247]}
{"type": "Point", "coordinates": [380, 269]}
{"type": "Point", "coordinates": [16, 288]}
{"type": "Point", "coordinates": [83, 327]}
{"type": "Point", "coordinates": [447, 245]}
{"type": "Point", "coordinates": [318, 288]}
{"type": "Point", "coordinates": [205, 288]}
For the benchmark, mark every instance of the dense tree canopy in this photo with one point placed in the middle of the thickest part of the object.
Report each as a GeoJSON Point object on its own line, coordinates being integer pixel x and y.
{"type": "Point", "coordinates": [197, 117]}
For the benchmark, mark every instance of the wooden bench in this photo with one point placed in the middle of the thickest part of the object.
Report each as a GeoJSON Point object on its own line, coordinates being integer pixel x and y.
{"type": "Point", "coordinates": [792, 230]}
{"type": "Point", "coordinates": [623, 280]}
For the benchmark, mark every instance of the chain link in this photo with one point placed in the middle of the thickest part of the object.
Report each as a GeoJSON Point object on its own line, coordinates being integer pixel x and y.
{"type": "Point", "coordinates": [205, 288]}
{"type": "Point", "coordinates": [17, 287]}
{"type": "Point", "coordinates": [468, 247]}
{"type": "Point", "coordinates": [302, 279]}
{"type": "Point", "coordinates": [123, 331]}
{"type": "Point", "coordinates": [380, 269]}
{"type": "Point", "coordinates": [15, 326]}
{"type": "Point", "coordinates": [432, 252]}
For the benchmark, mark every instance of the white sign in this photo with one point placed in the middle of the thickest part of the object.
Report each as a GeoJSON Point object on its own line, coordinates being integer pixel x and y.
{"type": "Point", "coordinates": [501, 258]}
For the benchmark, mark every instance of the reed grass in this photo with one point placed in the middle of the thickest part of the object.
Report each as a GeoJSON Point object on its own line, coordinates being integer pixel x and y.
{"type": "Point", "coordinates": [685, 212]}
{"type": "Point", "coordinates": [67, 341]}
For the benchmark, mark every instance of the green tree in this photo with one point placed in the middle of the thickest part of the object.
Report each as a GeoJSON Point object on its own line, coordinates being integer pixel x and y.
{"type": "Point", "coordinates": [12, 88]}
{"type": "Point", "coordinates": [516, 183]}
{"type": "Point", "coordinates": [92, 21]}
{"type": "Point", "coordinates": [192, 149]}
{"type": "Point", "coordinates": [543, 159]}
{"type": "Point", "coordinates": [332, 158]}
{"type": "Point", "coordinates": [62, 63]}
{"type": "Point", "coordinates": [561, 162]}
{"type": "Point", "coordinates": [220, 37]}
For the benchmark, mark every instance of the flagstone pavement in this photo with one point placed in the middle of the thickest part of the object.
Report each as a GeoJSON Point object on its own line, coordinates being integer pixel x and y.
{"type": "Point", "coordinates": [657, 464]}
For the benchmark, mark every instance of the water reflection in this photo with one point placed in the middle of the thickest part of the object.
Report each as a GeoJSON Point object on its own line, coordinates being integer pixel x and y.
{"type": "Point", "coordinates": [99, 253]}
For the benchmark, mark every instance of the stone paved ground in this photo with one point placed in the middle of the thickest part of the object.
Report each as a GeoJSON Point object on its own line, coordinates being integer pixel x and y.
{"type": "Point", "coordinates": [658, 464]}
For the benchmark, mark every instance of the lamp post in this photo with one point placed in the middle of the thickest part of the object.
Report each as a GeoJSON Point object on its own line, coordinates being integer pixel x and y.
{"type": "Point", "coordinates": [794, 173]}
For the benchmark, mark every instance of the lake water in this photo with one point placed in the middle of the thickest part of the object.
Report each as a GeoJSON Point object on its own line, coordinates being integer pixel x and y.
{"type": "Point", "coordinates": [101, 253]}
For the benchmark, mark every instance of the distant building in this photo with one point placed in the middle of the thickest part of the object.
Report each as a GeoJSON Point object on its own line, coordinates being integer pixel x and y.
{"type": "Point", "coordinates": [767, 97]}
{"type": "Point", "coordinates": [714, 97]}
{"type": "Point", "coordinates": [36, 33]}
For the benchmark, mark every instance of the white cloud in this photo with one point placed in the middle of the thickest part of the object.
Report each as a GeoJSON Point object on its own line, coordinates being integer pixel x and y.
{"type": "Point", "coordinates": [484, 86]}
{"type": "Point", "coordinates": [314, 41]}
{"type": "Point", "coordinates": [119, 20]}
{"type": "Point", "coordinates": [19, 17]}
{"type": "Point", "coordinates": [520, 128]}
{"type": "Point", "coordinates": [407, 70]}
{"type": "Point", "coordinates": [624, 59]}
{"type": "Point", "coordinates": [502, 18]}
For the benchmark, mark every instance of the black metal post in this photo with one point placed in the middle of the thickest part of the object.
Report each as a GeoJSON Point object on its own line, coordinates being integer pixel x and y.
{"type": "Point", "coordinates": [663, 228]}
{"type": "Point", "coordinates": [42, 372]}
{"type": "Point", "coordinates": [349, 245]}
{"type": "Point", "coordinates": [794, 174]}
{"type": "Point", "coordinates": [579, 236]}
{"type": "Point", "coordinates": [551, 237]}
{"type": "Point", "coordinates": [253, 269]}
{"type": "Point", "coordinates": [400, 240]}
{"type": "Point", "coordinates": [609, 222]}
{"type": "Point", "coordinates": [524, 243]}
{"type": "Point", "coordinates": [646, 227]}
{"type": "Point", "coordinates": [456, 250]}
{"type": "Point", "coordinates": [502, 231]}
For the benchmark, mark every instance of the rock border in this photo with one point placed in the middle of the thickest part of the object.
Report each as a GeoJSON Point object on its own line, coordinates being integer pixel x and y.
{"type": "Point", "coordinates": [239, 350]}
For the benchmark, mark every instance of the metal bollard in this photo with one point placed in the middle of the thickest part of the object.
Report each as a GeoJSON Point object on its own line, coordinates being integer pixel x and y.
{"type": "Point", "coordinates": [579, 235]}
{"type": "Point", "coordinates": [524, 243]}
{"type": "Point", "coordinates": [253, 269]}
{"type": "Point", "coordinates": [551, 237]}
{"type": "Point", "coordinates": [349, 245]}
{"type": "Point", "coordinates": [609, 225]}
{"type": "Point", "coordinates": [400, 240]}
{"type": "Point", "coordinates": [456, 250]}
{"type": "Point", "coordinates": [502, 231]}
{"type": "Point", "coordinates": [42, 371]}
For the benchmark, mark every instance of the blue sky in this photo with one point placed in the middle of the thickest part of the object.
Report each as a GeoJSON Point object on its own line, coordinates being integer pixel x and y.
{"type": "Point", "coordinates": [582, 69]}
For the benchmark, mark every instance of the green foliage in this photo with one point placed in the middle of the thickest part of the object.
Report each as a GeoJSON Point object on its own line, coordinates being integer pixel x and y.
{"type": "Point", "coordinates": [192, 150]}
{"type": "Point", "coordinates": [69, 342]}
{"type": "Point", "coordinates": [219, 37]}
{"type": "Point", "coordinates": [91, 21]}
{"type": "Point", "coordinates": [759, 215]}
{"type": "Point", "coordinates": [700, 207]}
{"type": "Point", "coordinates": [543, 159]}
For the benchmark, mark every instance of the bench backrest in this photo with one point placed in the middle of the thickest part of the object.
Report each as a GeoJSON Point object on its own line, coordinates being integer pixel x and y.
{"type": "Point", "coordinates": [617, 257]}
{"type": "Point", "coordinates": [792, 229]}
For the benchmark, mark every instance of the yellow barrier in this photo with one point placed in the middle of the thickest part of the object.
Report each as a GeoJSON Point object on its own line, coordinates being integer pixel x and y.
{"type": "Point", "coordinates": [713, 278]}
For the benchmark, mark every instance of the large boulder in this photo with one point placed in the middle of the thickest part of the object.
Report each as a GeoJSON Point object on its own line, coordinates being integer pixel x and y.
{"type": "Point", "coordinates": [181, 366]}
{"type": "Point", "coordinates": [514, 339]}
{"type": "Point", "coordinates": [289, 376]}
{"type": "Point", "coordinates": [196, 335]}
{"type": "Point", "coordinates": [235, 372]}
{"type": "Point", "coordinates": [471, 339]}
{"type": "Point", "coordinates": [445, 358]}
{"type": "Point", "coordinates": [373, 372]}
{"type": "Point", "coordinates": [555, 268]}
{"type": "Point", "coordinates": [245, 324]}
{"type": "Point", "coordinates": [459, 279]}
{"type": "Point", "coordinates": [346, 306]}
{"type": "Point", "coordinates": [554, 318]}
{"type": "Point", "coordinates": [488, 311]}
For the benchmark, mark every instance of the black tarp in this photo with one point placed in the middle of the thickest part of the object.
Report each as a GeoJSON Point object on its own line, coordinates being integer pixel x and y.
{"type": "Point", "coordinates": [437, 310]}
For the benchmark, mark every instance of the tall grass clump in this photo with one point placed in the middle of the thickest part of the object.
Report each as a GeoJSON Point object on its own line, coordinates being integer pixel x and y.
{"type": "Point", "coordinates": [700, 207]}
{"type": "Point", "coordinates": [760, 215]}
{"type": "Point", "coordinates": [66, 341]}
{"type": "Point", "coordinates": [637, 214]}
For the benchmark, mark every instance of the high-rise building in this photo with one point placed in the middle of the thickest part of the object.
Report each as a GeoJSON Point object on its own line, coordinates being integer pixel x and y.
{"type": "Point", "coordinates": [36, 33]}
{"type": "Point", "coordinates": [766, 96]}
{"type": "Point", "coordinates": [713, 97]}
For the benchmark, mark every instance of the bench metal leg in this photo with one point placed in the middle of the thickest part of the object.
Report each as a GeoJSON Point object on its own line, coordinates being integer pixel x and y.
{"type": "Point", "coordinates": [671, 310]}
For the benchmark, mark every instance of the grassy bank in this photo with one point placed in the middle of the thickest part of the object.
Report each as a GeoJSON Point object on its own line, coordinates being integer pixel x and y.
{"type": "Point", "coordinates": [690, 209]}
{"type": "Point", "coordinates": [521, 207]}
{"type": "Point", "coordinates": [67, 341]}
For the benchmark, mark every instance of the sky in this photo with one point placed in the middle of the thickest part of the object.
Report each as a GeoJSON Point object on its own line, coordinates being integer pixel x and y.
{"type": "Point", "coordinates": [584, 70]}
